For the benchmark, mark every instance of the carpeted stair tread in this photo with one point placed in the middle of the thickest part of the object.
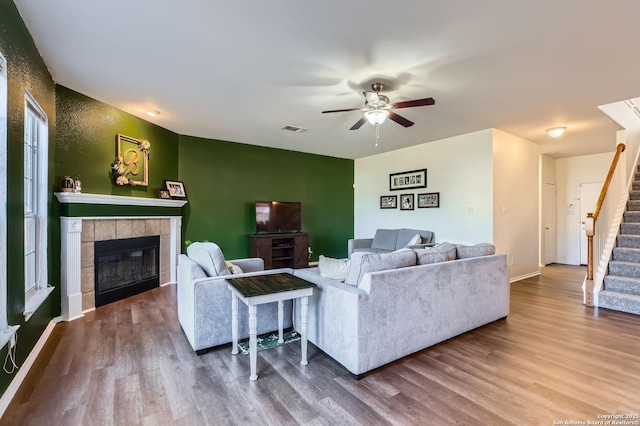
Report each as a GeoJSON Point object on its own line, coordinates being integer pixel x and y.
{"type": "Point", "coordinates": [619, 284]}
{"type": "Point", "coordinates": [633, 205]}
{"type": "Point", "coordinates": [630, 228]}
{"type": "Point", "coordinates": [632, 216]}
{"type": "Point", "coordinates": [634, 194]}
{"type": "Point", "coordinates": [619, 302]}
{"type": "Point", "coordinates": [626, 254]}
{"type": "Point", "coordinates": [624, 269]}
{"type": "Point", "coordinates": [625, 240]}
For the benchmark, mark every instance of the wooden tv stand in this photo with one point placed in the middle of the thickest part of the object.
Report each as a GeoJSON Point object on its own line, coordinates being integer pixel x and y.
{"type": "Point", "coordinates": [281, 250]}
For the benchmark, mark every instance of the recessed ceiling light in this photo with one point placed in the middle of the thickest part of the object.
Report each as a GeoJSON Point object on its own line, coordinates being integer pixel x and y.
{"type": "Point", "coordinates": [151, 112]}
{"type": "Point", "coordinates": [555, 132]}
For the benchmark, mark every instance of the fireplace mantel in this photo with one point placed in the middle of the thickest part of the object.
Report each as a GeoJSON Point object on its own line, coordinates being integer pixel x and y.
{"type": "Point", "coordinates": [83, 198]}
{"type": "Point", "coordinates": [71, 227]}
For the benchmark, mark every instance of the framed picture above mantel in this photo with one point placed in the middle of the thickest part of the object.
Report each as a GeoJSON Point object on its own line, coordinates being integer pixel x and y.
{"type": "Point", "coordinates": [408, 180]}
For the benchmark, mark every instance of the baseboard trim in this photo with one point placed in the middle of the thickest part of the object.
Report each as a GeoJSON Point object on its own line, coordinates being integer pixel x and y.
{"type": "Point", "coordinates": [24, 370]}
{"type": "Point", "coordinates": [525, 276]}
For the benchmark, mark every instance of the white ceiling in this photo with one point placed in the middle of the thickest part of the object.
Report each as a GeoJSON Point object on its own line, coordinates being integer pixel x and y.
{"type": "Point", "coordinates": [240, 71]}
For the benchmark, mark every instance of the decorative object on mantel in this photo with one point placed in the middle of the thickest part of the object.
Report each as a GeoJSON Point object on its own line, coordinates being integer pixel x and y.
{"type": "Point", "coordinates": [67, 184]}
{"type": "Point", "coordinates": [176, 188]}
{"type": "Point", "coordinates": [388, 201]}
{"type": "Point", "coordinates": [408, 180]}
{"type": "Point", "coordinates": [406, 202]}
{"type": "Point", "coordinates": [164, 193]}
{"type": "Point", "coordinates": [132, 161]}
{"type": "Point", "coordinates": [77, 185]}
{"type": "Point", "coordinates": [429, 200]}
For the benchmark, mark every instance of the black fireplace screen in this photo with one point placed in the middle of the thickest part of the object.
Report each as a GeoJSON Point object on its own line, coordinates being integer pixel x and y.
{"type": "Point", "coordinates": [125, 267]}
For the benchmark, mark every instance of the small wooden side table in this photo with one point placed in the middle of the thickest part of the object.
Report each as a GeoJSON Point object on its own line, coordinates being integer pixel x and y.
{"type": "Point", "coordinates": [259, 289]}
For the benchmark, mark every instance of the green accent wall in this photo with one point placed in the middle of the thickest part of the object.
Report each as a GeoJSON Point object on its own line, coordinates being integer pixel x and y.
{"type": "Point", "coordinates": [25, 70]}
{"type": "Point", "coordinates": [224, 179]}
{"type": "Point", "coordinates": [86, 145]}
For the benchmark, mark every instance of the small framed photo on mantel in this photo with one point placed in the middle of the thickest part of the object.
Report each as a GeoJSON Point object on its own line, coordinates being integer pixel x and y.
{"type": "Point", "coordinates": [175, 188]}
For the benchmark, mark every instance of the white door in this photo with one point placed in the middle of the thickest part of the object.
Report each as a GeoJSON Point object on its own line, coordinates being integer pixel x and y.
{"type": "Point", "coordinates": [589, 193]}
{"type": "Point", "coordinates": [549, 221]}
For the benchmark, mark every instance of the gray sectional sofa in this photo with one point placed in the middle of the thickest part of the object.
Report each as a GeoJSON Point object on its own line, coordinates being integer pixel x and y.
{"type": "Point", "coordinates": [392, 306]}
{"type": "Point", "coordinates": [388, 240]}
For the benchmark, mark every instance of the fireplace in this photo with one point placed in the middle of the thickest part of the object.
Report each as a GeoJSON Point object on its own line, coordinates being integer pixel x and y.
{"type": "Point", "coordinates": [125, 267]}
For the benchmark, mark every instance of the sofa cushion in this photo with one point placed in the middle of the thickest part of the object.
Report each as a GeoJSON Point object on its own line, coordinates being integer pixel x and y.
{"type": "Point", "coordinates": [233, 268]}
{"type": "Point", "coordinates": [482, 249]}
{"type": "Point", "coordinates": [190, 269]}
{"type": "Point", "coordinates": [416, 239]}
{"type": "Point", "coordinates": [333, 268]}
{"type": "Point", "coordinates": [386, 239]}
{"type": "Point", "coordinates": [439, 253]}
{"type": "Point", "coordinates": [209, 257]}
{"type": "Point", "coordinates": [361, 263]}
{"type": "Point", "coordinates": [405, 235]}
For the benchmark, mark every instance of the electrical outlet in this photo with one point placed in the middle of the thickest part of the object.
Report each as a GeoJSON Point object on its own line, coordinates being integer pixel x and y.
{"type": "Point", "coordinates": [12, 341]}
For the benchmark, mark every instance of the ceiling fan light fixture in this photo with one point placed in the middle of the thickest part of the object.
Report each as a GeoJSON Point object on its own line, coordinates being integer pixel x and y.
{"type": "Point", "coordinates": [556, 132]}
{"type": "Point", "coordinates": [376, 116]}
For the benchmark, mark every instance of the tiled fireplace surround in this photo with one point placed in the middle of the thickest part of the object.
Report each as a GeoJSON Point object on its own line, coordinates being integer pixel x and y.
{"type": "Point", "coordinates": [118, 229]}
{"type": "Point", "coordinates": [78, 235]}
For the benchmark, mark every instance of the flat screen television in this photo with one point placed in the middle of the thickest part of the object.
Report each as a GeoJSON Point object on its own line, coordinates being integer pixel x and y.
{"type": "Point", "coordinates": [278, 216]}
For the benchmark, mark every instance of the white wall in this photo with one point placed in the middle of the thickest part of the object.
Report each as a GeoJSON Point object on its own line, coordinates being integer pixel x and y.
{"type": "Point", "coordinates": [459, 168]}
{"type": "Point", "coordinates": [547, 175]}
{"type": "Point", "coordinates": [570, 173]}
{"type": "Point", "coordinates": [516, 210]}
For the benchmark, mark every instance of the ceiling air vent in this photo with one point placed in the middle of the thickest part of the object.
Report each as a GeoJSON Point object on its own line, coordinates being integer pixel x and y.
{"type": "Point", "coordinates": [294, 129]}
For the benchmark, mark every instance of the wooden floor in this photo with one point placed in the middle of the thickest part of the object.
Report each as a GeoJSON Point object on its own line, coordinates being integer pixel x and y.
{"type": "Point", "coordinates": [552, 360]}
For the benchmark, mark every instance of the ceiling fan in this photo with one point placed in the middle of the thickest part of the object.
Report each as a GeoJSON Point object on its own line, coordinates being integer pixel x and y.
{"type": "Point", "coordinates": [377, 108]}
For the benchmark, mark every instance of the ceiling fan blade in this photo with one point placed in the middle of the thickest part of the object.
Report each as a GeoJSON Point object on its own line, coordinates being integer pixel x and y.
{"type": "Point", "coordinates": [341, 110]}
{"type": "Point", "coordinates": [415, 103]}
{"type": "Point", "coordinates": [400, 120]}
{"type": "Point", "coordinates": [372, 97]}
{"type": "Point", "coordinates": [358, 124]}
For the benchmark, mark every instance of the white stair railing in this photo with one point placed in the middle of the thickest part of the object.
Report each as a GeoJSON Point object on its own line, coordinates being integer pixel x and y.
{"type": "Point", "coordinates": [602, 226]}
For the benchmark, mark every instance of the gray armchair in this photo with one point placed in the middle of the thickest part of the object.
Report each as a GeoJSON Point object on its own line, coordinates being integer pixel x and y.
{"type": "Point", "coordinates": [204, 300]}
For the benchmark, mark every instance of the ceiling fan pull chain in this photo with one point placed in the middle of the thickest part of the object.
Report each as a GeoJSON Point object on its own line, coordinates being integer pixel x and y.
{"type": "Point", "coordinates": [377, 133]}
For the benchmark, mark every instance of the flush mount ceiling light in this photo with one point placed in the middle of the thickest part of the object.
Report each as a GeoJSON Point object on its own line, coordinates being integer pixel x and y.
{"type": "Point", "coordinates": [151, 112]}
{"type": "Point", "coordinates": [376, 116]}
{"type": "Point", "coordinates": [555, 132]}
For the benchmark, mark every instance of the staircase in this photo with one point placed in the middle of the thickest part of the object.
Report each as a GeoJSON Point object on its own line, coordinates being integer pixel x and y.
{"type": "Point", "coordinates": [622, 284]}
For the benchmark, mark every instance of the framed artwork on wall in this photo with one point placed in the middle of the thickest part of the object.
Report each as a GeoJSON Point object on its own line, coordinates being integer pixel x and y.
{"type": "Point", "coordinates": [408, 180]}
{"type": "Point", "coordinates": [131, 166]}
{"type": "Point", "coordinates": [406, 202]}
{"type": "Point", "coordinates": [429, 200]}
{"type": "Point", "coordinates": [389, 202]}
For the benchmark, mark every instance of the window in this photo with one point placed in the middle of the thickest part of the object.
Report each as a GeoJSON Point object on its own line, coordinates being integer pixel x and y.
{"type": "Point", "coordinates": [35, 205]}
{"type": "Point", "coordinates": [5, 330]}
